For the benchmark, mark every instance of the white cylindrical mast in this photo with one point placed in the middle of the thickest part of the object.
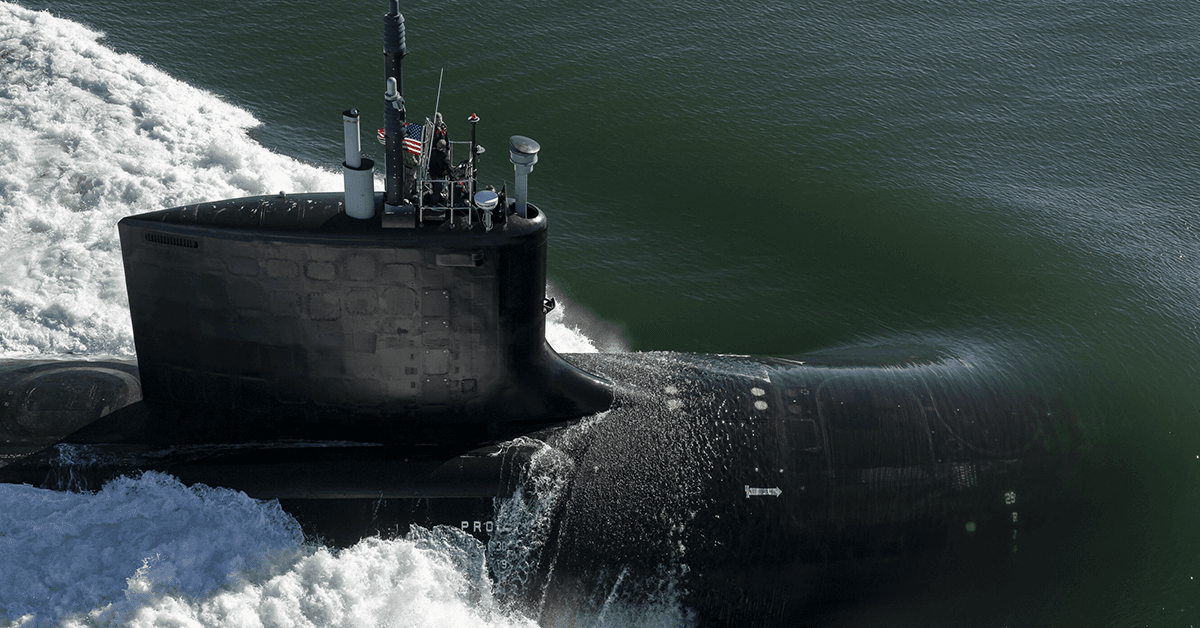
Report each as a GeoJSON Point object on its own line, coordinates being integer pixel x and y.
{"type": "Point", "coordinates": [353, 141]}
{"type": "Point", "coordinates": [523, 152]}
{"type": "Point", "coordinates": [357, 173]}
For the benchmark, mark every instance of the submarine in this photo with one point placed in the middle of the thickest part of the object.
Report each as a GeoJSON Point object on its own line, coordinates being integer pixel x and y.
{"type": "Point", "coordinates": [376, 361]}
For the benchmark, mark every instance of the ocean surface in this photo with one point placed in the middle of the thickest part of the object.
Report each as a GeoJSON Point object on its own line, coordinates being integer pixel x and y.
{"type": "Point", "coordinates": [1012, 183]}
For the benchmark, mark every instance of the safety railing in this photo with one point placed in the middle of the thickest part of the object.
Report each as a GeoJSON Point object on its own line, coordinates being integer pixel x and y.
{"type": "Point", "coordinates": [449, 197]}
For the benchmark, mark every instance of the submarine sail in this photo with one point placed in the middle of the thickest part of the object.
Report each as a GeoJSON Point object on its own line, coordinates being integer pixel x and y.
{"type": "Point", "coordinates": [358, 315]}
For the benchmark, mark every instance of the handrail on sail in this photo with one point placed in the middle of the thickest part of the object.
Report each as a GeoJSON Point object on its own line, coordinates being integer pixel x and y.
{"type": "Point", "coordinates": [429, 191]}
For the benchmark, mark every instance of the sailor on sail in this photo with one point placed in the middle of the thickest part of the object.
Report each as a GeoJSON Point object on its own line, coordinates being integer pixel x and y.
{"type": "Point", "coordinates": [440, 132]}
{"type": "Point", "coordinates": [439, 169]}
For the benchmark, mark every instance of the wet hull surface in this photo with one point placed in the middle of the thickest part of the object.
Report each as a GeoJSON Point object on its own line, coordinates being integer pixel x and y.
{"type": "Point", "coordinates": [748, 489]}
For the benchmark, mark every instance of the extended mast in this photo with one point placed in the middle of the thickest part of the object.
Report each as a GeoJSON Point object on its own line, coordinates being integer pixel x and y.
{"type": "Point", "coordinates": [394, 50]}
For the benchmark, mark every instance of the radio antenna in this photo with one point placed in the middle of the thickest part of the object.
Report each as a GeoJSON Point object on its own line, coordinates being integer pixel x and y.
{"type": "Point", "coordinates": [438, 103]}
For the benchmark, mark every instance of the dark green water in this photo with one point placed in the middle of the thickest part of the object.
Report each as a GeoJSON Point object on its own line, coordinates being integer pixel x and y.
{"type": "Point", "coordinates": [1011, 183]}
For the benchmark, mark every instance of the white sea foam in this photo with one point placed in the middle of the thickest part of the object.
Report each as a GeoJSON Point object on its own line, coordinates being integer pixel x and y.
{"type": "Point", "coordinates": [566, 338]}
{"type": "Point", "coordinates": [66, 554]}
{"type": "Point", "coordinates": [88, 136]}
{"type": "Point", "coordinates": [152, 552]}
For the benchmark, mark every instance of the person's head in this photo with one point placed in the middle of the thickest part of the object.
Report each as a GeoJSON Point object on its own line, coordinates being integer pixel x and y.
{"type": "Point", "coordinates": [437, 118]}
{"type": "Point", "coordinates": [441, 145]}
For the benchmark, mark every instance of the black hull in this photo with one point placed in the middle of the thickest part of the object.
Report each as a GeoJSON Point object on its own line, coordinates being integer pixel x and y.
{"type": "Point", "coordinates": [758, 487]}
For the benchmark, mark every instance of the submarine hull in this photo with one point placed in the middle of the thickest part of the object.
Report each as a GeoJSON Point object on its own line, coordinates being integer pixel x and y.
{"type": "Point", "coordinates": [761, 491]}
{"type": "Point", "coordinates": [754, 487]}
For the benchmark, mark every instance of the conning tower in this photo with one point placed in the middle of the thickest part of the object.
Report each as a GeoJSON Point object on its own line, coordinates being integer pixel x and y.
{"type": "Point", "coordinates": [386, 316]}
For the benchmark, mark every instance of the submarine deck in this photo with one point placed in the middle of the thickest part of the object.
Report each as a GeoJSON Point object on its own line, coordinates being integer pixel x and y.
{"type": "Point", "coordinates": [324, 213]}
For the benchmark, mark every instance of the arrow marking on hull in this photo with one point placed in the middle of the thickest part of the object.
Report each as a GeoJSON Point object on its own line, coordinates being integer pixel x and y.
{"type": "Point", "coordinates": [773, 492]}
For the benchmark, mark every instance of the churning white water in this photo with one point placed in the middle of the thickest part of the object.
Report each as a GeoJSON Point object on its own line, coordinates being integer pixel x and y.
{"type": "Point", "coordinates": [88, 136]}
{"type": "Point", "coordinates": [152, 552]}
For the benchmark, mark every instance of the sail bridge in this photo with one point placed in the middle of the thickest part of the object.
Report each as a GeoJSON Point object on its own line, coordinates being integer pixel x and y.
{"type": "Point", "coordinates": [439, 189]}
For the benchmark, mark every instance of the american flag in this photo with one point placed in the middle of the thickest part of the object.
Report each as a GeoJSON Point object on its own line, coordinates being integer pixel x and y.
{"type": "Point", "coordinates": [412, 138]}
